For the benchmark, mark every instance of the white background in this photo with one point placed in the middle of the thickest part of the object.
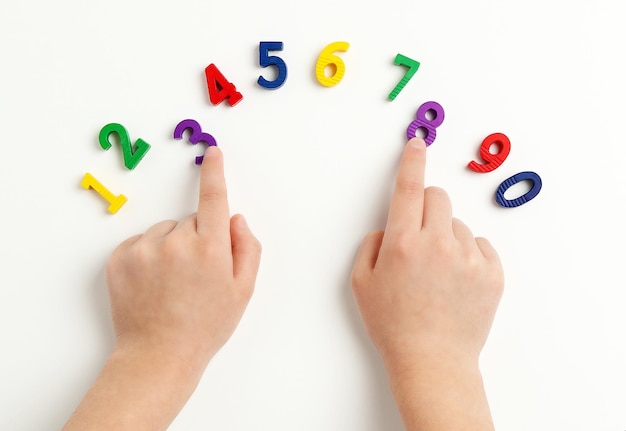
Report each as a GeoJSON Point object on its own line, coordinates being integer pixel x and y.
{"type": "Point", "coordinates": [312, 169]}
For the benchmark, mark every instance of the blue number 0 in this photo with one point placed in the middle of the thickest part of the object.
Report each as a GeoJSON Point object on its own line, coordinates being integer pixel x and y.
{"type": "Point", "coordinates": [522, 176]}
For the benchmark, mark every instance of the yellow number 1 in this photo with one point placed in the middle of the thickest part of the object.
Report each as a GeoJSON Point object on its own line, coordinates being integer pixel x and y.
{"type": "Point", "coordinates": [115, 202]}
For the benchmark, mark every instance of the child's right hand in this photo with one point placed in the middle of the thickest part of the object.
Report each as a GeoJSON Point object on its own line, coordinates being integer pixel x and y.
{"type": "Point", "coordinates": [427, 291]}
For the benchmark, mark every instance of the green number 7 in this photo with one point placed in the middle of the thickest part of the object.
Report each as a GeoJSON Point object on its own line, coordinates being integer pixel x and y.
{"type": "Point", "coordinates": [413, 65]}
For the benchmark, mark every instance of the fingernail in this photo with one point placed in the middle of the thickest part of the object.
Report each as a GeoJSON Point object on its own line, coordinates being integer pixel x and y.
{"type": "Point", "coordinates": [417, 143]}
{"type": "Point", "coordinates": [241, 222]}
{"type": "Point", "coordinates": [211, 151]}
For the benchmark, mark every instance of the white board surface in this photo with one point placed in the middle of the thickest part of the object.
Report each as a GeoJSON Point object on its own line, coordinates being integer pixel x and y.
{"type": "Point", "coordinates": [312, 169]}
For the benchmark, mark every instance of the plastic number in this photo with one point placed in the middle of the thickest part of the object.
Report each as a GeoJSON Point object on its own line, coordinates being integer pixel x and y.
{"type": "Point", "coordinates": [492, 160]}
{"type": "Point", "coordinates": [197, 135]}
{"type": "Point", "coordinates": [413, 65]}
{"type": "Point", "coordinates": [220, 88]}
{"type": "Point", "coordinates": [327, 58]}
{"type": "Point", "coordinates": [421, 122]}
{"type": "Point", "coordinates": [266, 60]}
{"type": "Point", "coordinates": [131, 158]}
{"type": "Point", "coordinates": [528, 196]}
{"type": "Point", "coordinates": [115, 202]}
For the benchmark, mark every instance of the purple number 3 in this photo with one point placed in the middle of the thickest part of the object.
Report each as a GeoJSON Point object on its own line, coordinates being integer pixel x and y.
{"type": "Point", "coordinates": [197, 135]}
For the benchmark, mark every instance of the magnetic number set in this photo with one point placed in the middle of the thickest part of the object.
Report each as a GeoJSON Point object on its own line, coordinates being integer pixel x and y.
{"type": "Point", "coordinates": [329, 70]}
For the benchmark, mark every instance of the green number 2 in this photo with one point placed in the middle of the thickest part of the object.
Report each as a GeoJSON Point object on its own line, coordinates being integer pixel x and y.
{"type": "Point", "coordinates": [131, 156]}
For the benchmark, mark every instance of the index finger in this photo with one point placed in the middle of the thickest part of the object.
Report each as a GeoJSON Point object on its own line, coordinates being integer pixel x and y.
{"type": "Point", "coordinates": [213, 213]}
{"type": "Point", "coordinates": [406, 210]}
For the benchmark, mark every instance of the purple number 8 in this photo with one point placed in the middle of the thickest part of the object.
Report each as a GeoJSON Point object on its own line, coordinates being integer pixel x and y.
{"type": "Point", "coordinates": [424, 123]}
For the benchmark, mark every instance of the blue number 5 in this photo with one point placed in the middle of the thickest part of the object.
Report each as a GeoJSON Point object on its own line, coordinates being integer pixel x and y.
{"type": "Point", "coordinates": [266, 60]}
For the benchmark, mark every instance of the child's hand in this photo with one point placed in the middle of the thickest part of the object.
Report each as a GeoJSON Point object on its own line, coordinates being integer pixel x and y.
{"type": "Point", "coordinates": [427, 291]}
{"type": "Point", "coordinates": [177, 293]}
{"type": "Point", "coordinates": [182, 287]}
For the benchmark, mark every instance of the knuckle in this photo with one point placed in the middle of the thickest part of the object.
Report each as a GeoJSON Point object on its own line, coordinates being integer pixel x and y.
{"type": "Point", "coordinates": [173, 249]}
{"type": "Point", "coordinates": [409, 185]}
{"type": "Point", "coordinates": [213, 194]}
{"type": "Point", "coordinates": [447, 251]}
{"type": "Point", "coordinates": [444, 248]}
{"type": "Point", "coordinates": [141, 256]}
{"type": "Point", "coordinates": [474, 263]}
{"type": "Point", "coordinates": [166, 224]}
{"type": "Point", "coordinates": [118, 258]}
{"type": "Point", "coordinates": [458, 224]}
{"type": "Point", "coordinates": [209, 252]}
{"type": "Point", "coordinates": [404, 247]}
{"type": "Point", "coordinates": [113, 264]}
{"type": "Point", "coordinates": [436, 193]}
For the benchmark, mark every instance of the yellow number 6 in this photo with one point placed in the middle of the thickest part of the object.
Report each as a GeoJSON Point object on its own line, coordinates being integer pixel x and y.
{"type": "Point", "coordinates": [327, 58]}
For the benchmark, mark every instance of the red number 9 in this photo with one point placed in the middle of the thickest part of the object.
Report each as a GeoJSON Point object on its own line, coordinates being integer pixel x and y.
{"type": "Point", "coordinates": [492, 160]}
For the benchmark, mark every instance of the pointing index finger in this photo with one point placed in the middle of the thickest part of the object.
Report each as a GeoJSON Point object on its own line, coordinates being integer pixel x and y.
{"type": "Point", "coordinates": [407, 202]}
{"type": "Point", "coordinates": [213, 212]}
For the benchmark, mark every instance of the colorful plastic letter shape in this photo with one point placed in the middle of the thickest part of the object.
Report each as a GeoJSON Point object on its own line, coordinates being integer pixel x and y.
{"type": "Point", "coordinates": [492, 161]}
{"type": "Point", "coordinates": [197, 135]}
{"type": "Point", "coordinates": [266, 60]}
{"type": "Point", "coordinates": [528, 196]}
{"type": "Point", "coordinates": [328, 58]}
{"type": "Point", "coordinates": [131, 156]}
{"type": "Point", "coordinates": [115, 202]}
{"type": "Point", "coordinates": [422, 122]}
{"type": "Point", "coordinates": [220, 88]}
{"type": "Point", "coordinates": [412, 65]}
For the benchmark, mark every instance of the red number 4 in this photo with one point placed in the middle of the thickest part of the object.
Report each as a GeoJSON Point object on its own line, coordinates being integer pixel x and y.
{"type": "Point", "coordinates": [220, 88]}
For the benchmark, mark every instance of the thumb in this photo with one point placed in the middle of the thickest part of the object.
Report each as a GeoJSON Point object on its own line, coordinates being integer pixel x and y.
{"type": "Point", "coordinates": [366, 258]}
{"type": "Point", "coordinates": [246, 251]}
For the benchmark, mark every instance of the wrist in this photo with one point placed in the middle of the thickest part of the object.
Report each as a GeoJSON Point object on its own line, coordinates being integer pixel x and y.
{"type": "Point", "coordinates": [167, 362]}
{"type": "Point", "coordinates": [435, 369]}
{"type": "Point", "coordinates": [425, 384]}
{"type": "Point", "coordinates": [139, 388]}
{"type": "Point", "coordinates": [411, 356]}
